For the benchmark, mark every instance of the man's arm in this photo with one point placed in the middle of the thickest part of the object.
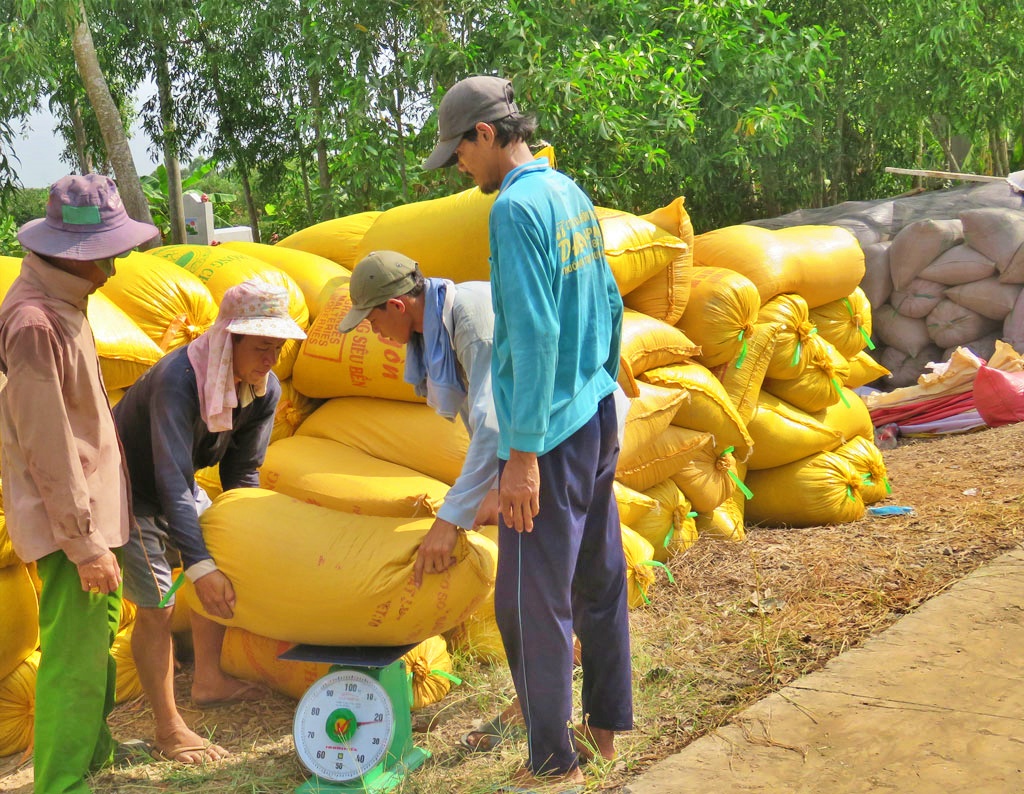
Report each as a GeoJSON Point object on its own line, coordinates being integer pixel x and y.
{"type": "Point", "coordinates": [249, 442]}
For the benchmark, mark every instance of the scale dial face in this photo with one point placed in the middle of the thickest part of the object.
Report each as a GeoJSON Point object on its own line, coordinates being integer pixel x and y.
{"type": "Point", "coordinates": [343, 725]}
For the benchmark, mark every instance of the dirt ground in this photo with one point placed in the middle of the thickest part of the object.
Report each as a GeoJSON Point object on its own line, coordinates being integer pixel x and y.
{"type": "Point", "coordinates": [739, 621]}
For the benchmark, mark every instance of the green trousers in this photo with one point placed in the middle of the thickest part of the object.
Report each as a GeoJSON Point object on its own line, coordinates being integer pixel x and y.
{"type": "Point", "coordinates": [77, 676]}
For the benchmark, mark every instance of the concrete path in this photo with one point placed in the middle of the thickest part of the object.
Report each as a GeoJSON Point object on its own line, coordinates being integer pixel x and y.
{"type": "Point", "coordinates": [933, 704]}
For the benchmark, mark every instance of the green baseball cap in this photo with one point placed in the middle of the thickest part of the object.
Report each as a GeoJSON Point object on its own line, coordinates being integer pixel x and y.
{"type": "Point", "coordinates": [379, 277]}
{"type": "Point", "coordinates": [479, 98]}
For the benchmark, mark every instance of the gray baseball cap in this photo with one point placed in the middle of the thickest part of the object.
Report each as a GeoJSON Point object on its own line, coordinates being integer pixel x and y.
{"type": "Point", "coordinates": [379, 277]}
{"type": "Point", "coordinates": [475, 99]}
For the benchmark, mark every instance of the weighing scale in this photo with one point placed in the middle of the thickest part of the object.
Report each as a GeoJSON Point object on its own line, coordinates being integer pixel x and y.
{"type": "Point", "coordinates": [353, 727]}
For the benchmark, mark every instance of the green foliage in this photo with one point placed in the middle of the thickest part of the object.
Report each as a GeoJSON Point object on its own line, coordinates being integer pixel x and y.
{"type": "Point", "coordinates": [9, 245]}
{"type": "Point", "coordinates": [155, 186]}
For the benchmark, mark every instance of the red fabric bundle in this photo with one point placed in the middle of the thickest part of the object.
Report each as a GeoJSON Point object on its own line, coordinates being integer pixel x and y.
{"type": "Point", "coordinates": [999, 396]}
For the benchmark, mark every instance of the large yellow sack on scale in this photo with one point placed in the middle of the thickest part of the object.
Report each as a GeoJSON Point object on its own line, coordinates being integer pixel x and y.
{"type": "Point", "coordinates": [846, 322]}
{"type": "Point", "coordinates": [336, 239]}
{"type": "Point", "coordinates": [309, 271]}
{"type": "Point", "coordinates": [357, 364]}
{"type": "Point", "coordinates": [293, 409]}
{"type": "Point", "coordinates": [720, 314]}
{"type": "Point", "coordinates": [710, 410]}
{"type": "Point", "coordinates": [824, 488]}
{"type": "Point", "coordinates": [221, 268]}
{"type": "Point", "coordinates": [850, 416]}
{"type": "Point", "coordinates": [125, 352]}
{"type": "Point", "coordinates": [819, 263]}
{"type": "Point", "coordinates": [323, 472]}
{"type": "Point", "coordinates": [18, 706]}
{"type": "Point", "coordinates": [171, 305]}
{"type": "Point", "coordinates": [19, 616]}
{"type": "Point", "coordinates": [783, 433]}
{"type": "Point", "coordinates": [408, 434]}
{"type": "Point", "coordinates": [352, 575]}
{"type": "Point", "coordinates": [252, 657]}
{"type": "Point", "coordinates": [478, 635]}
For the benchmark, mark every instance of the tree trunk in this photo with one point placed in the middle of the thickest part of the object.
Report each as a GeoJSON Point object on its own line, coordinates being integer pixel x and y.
{"type": "Point", "coordinates": [250, 204]}
{"type": "Point", "coordinates": [111, 126]}
{"type": "Point", "coordinates": [82, 157]}
{"type": "Point", "coordinates": [307, 194]}
{"type": "Point", "coordinates": [175, 203]}
{"type": "Point", "coordinates": [323, 167]}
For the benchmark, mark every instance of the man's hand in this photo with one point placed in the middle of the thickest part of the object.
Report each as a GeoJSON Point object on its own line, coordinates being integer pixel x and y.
{"type": "Point", "coordinates": [487, 513]}
{"type": "Point", "coordinates": [216, 594]}
{"type": "Point", "coordinates": [102, 575]}
{"type": "Point", "coordinates": [520, 490]}
{"type": "Point", "coordinates": [435, 554]}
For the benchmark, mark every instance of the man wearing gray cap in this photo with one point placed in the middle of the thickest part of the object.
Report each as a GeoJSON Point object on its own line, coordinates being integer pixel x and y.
{"type": "Point", "coordinates": [558, 320]}
{"type": "Point", "coordinates": [447, 329]}
{"type": "Point", "coordinates": [66, 492]}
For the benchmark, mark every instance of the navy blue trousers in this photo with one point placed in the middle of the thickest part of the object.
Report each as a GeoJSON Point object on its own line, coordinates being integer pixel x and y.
{"type": "Point", "coordinates": [568, 574]}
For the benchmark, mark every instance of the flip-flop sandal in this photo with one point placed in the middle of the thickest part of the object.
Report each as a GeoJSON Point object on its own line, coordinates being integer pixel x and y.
{"type": "Point", "coordinates": [175, 753]}
{"type": "Point", "coordinates": [491, 734]}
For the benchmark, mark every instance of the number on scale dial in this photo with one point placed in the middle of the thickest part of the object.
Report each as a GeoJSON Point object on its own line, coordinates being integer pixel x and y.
{"type": "Point", "coordinates": [343, 725]}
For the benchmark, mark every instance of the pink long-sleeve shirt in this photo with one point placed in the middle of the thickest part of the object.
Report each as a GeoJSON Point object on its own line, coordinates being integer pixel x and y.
{"type": "Point", "coordinates": [65, 483]}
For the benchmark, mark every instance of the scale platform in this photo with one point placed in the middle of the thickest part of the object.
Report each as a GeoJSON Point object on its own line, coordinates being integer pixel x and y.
{"type": "Point", "coordinates": [353, 728]}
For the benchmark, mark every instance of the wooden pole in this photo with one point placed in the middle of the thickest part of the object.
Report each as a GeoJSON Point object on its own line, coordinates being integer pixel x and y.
{"type": "Point", "coordinates": [945, 175]}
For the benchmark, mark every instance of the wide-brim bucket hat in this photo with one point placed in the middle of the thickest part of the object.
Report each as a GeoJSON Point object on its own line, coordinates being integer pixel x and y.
{"type": "Point", "coordinates": [85, 220]}
{"type": "Point", "coordinates": [256, 308]}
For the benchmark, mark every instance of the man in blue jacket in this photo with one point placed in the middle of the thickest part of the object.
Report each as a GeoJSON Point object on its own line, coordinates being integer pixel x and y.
{"type": "Point", "coordinates": [558, 319]}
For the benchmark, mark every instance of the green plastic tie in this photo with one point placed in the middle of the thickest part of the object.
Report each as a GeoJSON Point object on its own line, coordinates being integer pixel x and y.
{"type": "Point", "coordinates": [796, 353]}
{"type": "Point", "coordinates": [849, 308]}
{"type": "Point", "coordinates": [839, 391]}
{"type": "Point", "coordinates": [174, 588]}
{"type": "Point", "coordinates": [848, 305]}
{"type": "Point", "coordinates": [668, 573]}
{"type": "Point", "coordinates": [888, 485]}
{"type": "Point", "coordinates": [692, 514]}
{"type": "Point", "coordinates": [739, 484]}
{"type": "Point", "coordinates": [668, 535]}
{"type": "Point", "coordinates": [453, 678]}
{"type": "Point", "coordinates": [743, 350]}
{"type": "Point", "coordinates": [849, 493]}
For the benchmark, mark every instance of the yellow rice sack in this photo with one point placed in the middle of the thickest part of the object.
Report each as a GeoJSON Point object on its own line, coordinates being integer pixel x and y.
{"type": "Point", "coordinates": [846, 322]}
{"type": "Point", "coordinates": [820, 383]}
{"type": "Point", "coordinates": [650, 413]}
{"type": "Point", "coordinates": [707, 480]}
{"type": "Point", "coordinates": [19, 616]}
{"type": "Point", "coordinates": [309, 271]}
{"type": "Point", "coordinates": [819, 263]}
{"type": "Point", "coordinates": [357, 364]}
{"type": "Point", "coordinates": [665, 294]}
{"type": "Point", "coordinates": [666, 455]}
{"type": "Point", "coordinates": [721, 313]}
{"type": "Point", "coordinates": [293, 409]}
{"type": "Point", "coordinates": [725, 522]}
{"type": "Point", "coordinates": [18, 706]}
{"type": "Point", "coordinates": [252, 657]}
{"type": "Point", "coordinates": [640, 574]}
{"type": "Point", "coordinates": [323, 472]}
{"type": "Point", "coordinates": [7, 555]}
{"type": "Point", "coordinates": [709, 410]}
{"type": "Point", "coordinates": [209, 480]}
{"type": "Point", "coordinates": [678, 533]}
{"type": "Point", "coordinates": [399, 432]}
{"type": "Point", "coordinates": [742, 379]}
{"type": "Point", "coordinates": [674, 219]}
{"type": "Point", "coordinates": [864, 370]}
{"type": "Point", "coordinates": [10, 268]}
{"type": "Point", "coordinates": [867, 459]}
{"type": "Point", "coordinates": [352, 574]}
{"type": "Point", "coordinates": [849, 416]}
{"type": "Point", "coordinates": [125, 352]}
{"type": "Point", "coordinates": [792, 352]}
{"type": "Point", "coordinates": [824, 488]}
{"type": "Point", "coordinates": [637, 251]}
{"type": "Point", "coordinates": [221, 268]}
{"type": "Point", "coordinates": [647, 343]}
{"type": "Point", "coordinates": [171, 305]}
{"type": "Point", "coordinates": [478, 636]}
{"type": "Point", "coordinates": [336, 239]}
{"type": "Point", "coordinates": [128, 685]}
{"type": "Point", "coordinates": [783, 433]}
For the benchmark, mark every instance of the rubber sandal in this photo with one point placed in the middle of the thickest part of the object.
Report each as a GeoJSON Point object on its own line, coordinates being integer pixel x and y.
{"type": "Point", "coordinates": [175, 753]}
{"type": "Point", "coordinates": [491, 734]}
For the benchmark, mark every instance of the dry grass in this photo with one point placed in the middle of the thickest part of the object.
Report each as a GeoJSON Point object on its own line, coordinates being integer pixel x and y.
{"type": "Point", "coordinates": [741, 621]}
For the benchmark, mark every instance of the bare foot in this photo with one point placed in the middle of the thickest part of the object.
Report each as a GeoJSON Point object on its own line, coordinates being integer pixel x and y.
{"type": "Point", "coordinates": [554, 783]}
{"type": "Point", "coordinates": [225, 690]}
{"type": "Point", "coordinates": [187, 747]}
{"type": "Point", "coordinates": [591, 741]}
